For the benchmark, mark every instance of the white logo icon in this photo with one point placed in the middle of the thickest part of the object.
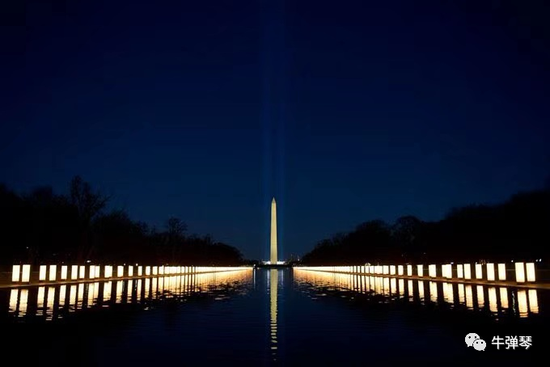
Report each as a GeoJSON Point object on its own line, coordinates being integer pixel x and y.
{"type": "Point", "coordinates": [474, 340]}
{"type": "Point", "coordinates": [479, 345]}
{"type": "Point", "coordinates": [471, 338]}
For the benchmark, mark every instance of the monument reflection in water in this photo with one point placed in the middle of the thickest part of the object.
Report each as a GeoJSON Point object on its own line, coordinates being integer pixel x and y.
{"type": "Point", "coordinates": [273, 293]}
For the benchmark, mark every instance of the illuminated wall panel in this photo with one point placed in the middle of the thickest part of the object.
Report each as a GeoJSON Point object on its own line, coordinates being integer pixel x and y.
{"type": "Point", "coordinates": [64, 272]}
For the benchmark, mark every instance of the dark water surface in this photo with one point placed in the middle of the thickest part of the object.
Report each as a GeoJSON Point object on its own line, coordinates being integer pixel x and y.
{"type": "Point", "coordinates": [271, 317]}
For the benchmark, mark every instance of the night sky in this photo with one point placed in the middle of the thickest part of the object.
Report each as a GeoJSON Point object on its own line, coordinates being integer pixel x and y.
{"type": "Point", "coordinates": [344, 111]}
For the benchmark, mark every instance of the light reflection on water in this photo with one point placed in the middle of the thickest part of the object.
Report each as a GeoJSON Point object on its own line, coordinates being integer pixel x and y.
{"type": "Point", "coordinates": [52, 302]}
{"type": "Point", "coordinates": [273, 306]}
{"type": "Point", "coordinates": [454, 295]}
{"type": "Point", "coordinates": [353, 320]}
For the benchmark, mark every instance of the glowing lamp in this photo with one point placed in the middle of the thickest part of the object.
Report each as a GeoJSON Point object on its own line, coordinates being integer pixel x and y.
{"type": "Point", "coordinates": [26, 273]}
{"type": "Point", "coordinates": [53, 273]}
{"type": "Point", "coordinates": [448, 271]}
{"type": "Point", "coordinates": [16, 273]}
{"type": "Point", "coordinates": [501, 271]}
{"type": "Point", "coordinates": [530, 270]}
{"type": "Point", "coordinates": [108, 271]}
{"type": "Point", "coordinates": [467, 271]}
{"type": "Point", "coordinates": [490, 272]}
{"type": "Point", "coordinates": [42, 272]}
{"type": "Point", "coordinates": [479, 271]}
{"type": "Point", "coordinates": [74, 272]}
{"type": "Point", "coordinates": [520, 272]}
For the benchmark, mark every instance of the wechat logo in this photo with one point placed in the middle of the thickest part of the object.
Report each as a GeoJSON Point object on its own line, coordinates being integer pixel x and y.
{"type": "Point", "coordinates": [475, 341]}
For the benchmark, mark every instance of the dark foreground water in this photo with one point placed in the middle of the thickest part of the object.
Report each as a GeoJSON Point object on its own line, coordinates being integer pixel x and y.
{"type": "Point", "coordinates": [272, 317]}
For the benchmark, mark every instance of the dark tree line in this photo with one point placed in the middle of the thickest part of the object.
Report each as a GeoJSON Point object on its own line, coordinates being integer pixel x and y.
{"type": "Point", "coordinates": [42, 226]}
{"type": "Point", "coordinates": [516, 229]}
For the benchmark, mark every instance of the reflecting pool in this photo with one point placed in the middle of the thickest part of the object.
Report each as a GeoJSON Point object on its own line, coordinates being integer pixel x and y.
{"type": "Point", "coordinates": [272, 317]}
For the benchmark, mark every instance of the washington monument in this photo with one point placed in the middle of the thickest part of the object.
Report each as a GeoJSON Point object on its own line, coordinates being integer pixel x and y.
{"type": "Point", "coordinates": [273, 240]}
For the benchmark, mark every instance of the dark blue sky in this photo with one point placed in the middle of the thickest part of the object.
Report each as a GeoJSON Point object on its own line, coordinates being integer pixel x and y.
{"type": "Point", "coordinates": [345, 111]}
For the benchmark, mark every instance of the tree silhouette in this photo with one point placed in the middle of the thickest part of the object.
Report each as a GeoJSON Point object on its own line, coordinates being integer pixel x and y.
{"type": "Point", "coordinates": [88, 205]}
{"type": "Point", "coordinates": [516, 229]}
{"type": "Point", "coordinates": [44, 227]}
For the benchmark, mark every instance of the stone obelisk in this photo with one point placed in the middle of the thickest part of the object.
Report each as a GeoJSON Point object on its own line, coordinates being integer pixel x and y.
{"type": "Point", "coordinates": [273, 242]}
